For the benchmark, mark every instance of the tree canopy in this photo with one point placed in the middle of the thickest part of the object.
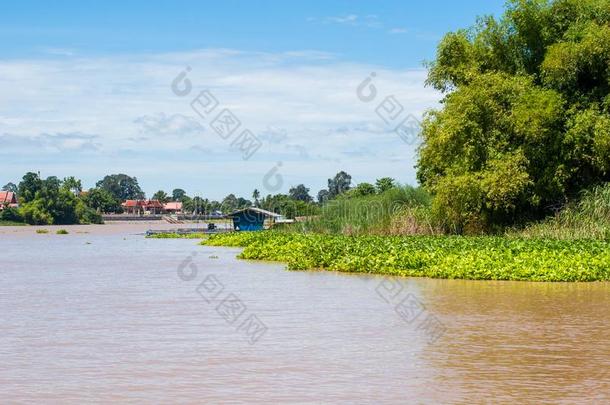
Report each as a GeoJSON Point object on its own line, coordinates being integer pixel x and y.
{"type": "Point", "coordinates": [525, 122]}
{"type": "Point", "coordinates": [121, 186]}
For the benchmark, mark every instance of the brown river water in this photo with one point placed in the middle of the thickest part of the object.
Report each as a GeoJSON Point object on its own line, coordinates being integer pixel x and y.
{"type": "Point", "coordinates": [104, 315]}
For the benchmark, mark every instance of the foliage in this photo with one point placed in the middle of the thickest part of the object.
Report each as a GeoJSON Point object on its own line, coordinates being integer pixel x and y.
{"type": "Point", "coordinates": [290, 208]}
{"type": "Point", "coordinates": [362, 190]}
{"type": "Point", "coordinates": [121, 186]}
{"type": "Point", "coordinates": [323, 196]}
{"type": "Point", "coordinates": [61, 232]}
{"type": "Point", "coordinates": [255, 196]}
{"type": "Point", "coordinates": [480, 258]}
{"type": "Point", "coordinates": [101, 200]}
{"type": "Point", "coordinates": [587, 218]}
{"type": "Point", "coordinates": [12, 187]}
{"type": "Point", "coordinates": [178, 194]}
{"type": "Point", "coordinates": [52, 201]}
{"type": "Point", "coordinates": [525, 123]}
{"type": "Point", "coordinates": [300, 193]}
{"type": "Point", "coordinates": [10, 214]}
{"type": "Point", "coordinates": [28, 187]}
{"type": "Point", "coordinates": [384, 184]}
{"type": "Point", "coordinates": [161, 196]}
{"type": "Point", "coordinates": [42, 231]}
{"type": "Point", "coordinates": [371, 214]}
{"type": "Point", "coordinates": [339, 184]}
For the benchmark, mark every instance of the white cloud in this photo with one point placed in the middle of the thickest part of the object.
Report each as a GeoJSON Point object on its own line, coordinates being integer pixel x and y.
{"type": "Point", "coordinates": [302, 105]}
{"type": "Point", "coordinates": [369, 21]}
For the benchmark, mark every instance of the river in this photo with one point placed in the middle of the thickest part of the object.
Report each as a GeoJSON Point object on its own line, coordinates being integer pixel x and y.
{"type": "Point", "coordinates": [105, 315]}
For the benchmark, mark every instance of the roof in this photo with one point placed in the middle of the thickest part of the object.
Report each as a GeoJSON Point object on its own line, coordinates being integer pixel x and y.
{"type": "Point", "coordinates": [7, 197]}
{"type": "Point", "coordinates": [173, 205]}
{"type": "Point", "coordinates": [257, 210]}
{"type": "Point", "coordinates": [133, 203]}
{"type": "Point", "coordinates": [154, 204]}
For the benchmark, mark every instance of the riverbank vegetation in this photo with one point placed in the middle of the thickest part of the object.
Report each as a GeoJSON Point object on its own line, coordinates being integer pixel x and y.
{"type": "Point", "coordinates": [476, 258]}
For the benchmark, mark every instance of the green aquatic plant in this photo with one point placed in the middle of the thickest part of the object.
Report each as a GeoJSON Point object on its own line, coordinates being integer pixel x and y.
{"type": "Point", "coordinates": [42, 231]}
{"type": "Point", "coordinates": [62, 232]}
{"type": "Point", "coordinates": [452, 257]}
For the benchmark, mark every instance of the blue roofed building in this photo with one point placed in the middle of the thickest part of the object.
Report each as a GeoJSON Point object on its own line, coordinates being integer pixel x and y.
{"type": "Point", "coordinates": [252, 219]}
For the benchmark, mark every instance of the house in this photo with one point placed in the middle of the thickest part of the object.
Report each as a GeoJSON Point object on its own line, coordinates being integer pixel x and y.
{"type": "Point", "coordinates": [133, 207]}
{"type": "Point", "coordinates": [173, 207]}
{"type": "Point", "coordinates": [251, 219]}
{"type": "Point", "coordinates": [8, 199]}
{"type": "Point", "coordinates": [141, 207]}
{"type": "Point", "coordinates": [154, 207]}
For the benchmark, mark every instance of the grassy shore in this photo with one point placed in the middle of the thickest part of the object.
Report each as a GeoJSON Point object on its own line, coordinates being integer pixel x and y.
{"type": "Point", "coordinates": [10, 223]}
{"type": "Point", "coordinates": [452, 257]}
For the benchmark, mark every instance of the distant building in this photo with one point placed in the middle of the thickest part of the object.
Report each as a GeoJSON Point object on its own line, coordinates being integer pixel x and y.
{"type": "Point", "coordinates": [8, 199]}
{"type": "Point", "coordinates": [141, 207]}
{"type": "Point", "coordinates": [173, 207]}
{"type": "Point", "coordinates": [133, 207]}
{"type": "Point", "coordinates": [252, 219]}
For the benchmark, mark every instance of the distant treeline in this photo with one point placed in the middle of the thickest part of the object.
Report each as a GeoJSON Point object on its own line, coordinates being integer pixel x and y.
{"type": "Point", "coordinates": [56, 201]}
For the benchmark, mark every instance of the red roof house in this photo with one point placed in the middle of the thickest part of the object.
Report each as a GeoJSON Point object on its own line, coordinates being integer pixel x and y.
{"type": "Point", "coordinates": [173, 206]}
{"type": "Point", "coordinates": [8, 198]}
{"type": "Point", "coordinates": [141, 206]}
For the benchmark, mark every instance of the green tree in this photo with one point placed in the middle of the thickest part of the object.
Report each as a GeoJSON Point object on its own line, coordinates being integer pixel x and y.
{"type": "Point", "coordinates": [525, 123]}
{"type": "Point", "coordinates": [339, 184]}
{"type": "Point", "coordinates": [102, 201]}
{"type": "Point", "coordinates": [384, 184]}
{"type": "Point", "coordinates": [362, 190]}
{"type": "Point", "coordinates": [178, 194]}
{"type": "Point", "coordinates": [229, 203]}
{"type": "Point", "coordinates": [323, 196]}
{"type": "Point", "coordinates": [121, 186]}
{"type": "Point", "coordinates": [161, 196]}
{"type": "Point", "coordinates": [12, 187]}
{"type": "Point", "coordinates": [29, 186]}
{"type": "Point", "coordinates": [73, 184]}
{"type": "Point", "coordinates": [255, 196]}
{"type": "Point", "coordinates": [300, 193]}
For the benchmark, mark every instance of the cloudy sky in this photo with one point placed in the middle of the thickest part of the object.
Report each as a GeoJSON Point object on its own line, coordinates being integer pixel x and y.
{"type": "Point", "coordinates": [87, 90]}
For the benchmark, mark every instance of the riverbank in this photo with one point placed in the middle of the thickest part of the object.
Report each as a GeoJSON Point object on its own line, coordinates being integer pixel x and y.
{"type": "Point", "coordinates": [125, 228]}
{"type": "Point", "coordinates": [447, 257]}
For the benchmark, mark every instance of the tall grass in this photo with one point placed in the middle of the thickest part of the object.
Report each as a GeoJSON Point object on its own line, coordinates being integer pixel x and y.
{"type": "Point", "coordinates": [589, 218]}
{"type": "Point", "coordinates": [401, 210]}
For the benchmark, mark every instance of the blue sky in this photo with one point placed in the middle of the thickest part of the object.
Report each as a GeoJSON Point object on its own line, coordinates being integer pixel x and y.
{"type": "Point", "coordinates": [86, 88]}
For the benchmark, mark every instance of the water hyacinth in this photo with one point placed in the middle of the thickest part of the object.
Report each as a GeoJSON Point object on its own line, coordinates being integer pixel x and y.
{"type": "Point", "coordinates": [451, 257]}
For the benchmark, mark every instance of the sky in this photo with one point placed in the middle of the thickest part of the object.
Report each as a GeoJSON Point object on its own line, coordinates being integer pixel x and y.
{"type": "Point", "coordinates": [219, 97]}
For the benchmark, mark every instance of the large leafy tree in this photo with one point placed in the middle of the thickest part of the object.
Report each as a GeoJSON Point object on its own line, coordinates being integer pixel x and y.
{"type": "Point", "coordinates": [52, 201]}
{"type": "Point", "coordinates": [121, 186]}
{"type": "Point", "coordinates": [161, 196]}
{"type": "Point", "coordinates": [525, 123]}
{"type": "Point", "coordinates": [29, 186]}
{"type": "Point", "coordinates": [339, 184]}
{"type": "Point", "coordinates": [12, 187]}
{"type": "Point", "coordinates": [102, 201]}
{"type": "Point", "coordinates": [384, 184]}
{"type": "Point", "coordinates": [178, 194]}
{"type": "Point", "coordinates": [300, 193]}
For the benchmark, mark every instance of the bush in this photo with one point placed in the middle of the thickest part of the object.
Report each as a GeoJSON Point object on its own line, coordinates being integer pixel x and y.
{"type": "Point", "coordinates": [61, 232]}
{"type": "Point", "coordinates": [587, 218]}
{"type": "Point", "coordinates": [11, 214]}
{"type": "Point", "coordinates": [372, 214]}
